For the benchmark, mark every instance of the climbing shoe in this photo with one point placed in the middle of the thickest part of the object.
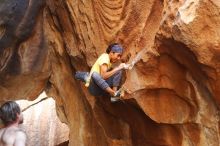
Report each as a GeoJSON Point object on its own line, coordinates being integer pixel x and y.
{"type": "Point", "coordinates": [116, 97]}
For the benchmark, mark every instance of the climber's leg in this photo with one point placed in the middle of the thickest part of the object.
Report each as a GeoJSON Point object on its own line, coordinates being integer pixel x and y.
{"type": "Point", "coordinates": [99, 86]}
{"type": "Point", "coordinates": [82, 76]}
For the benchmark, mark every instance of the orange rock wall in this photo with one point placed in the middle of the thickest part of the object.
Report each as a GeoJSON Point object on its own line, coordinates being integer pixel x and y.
{"type": "Point", "coordinates": [174, 97]}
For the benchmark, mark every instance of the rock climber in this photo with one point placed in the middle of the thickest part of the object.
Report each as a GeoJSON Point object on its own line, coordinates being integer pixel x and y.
{"type": "Point", "coordinates": [11, 134]}
{"type": "Point", "coordinates": [103, 79]}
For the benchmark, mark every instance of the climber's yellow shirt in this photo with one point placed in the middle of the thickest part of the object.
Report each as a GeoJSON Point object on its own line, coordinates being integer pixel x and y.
{"type": "Point", "coordinates": [103, 59]}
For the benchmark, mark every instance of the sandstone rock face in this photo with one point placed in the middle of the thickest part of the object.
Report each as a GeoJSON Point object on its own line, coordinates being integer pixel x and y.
{"type": "Point", "coordinates": [41, 123]}
{"type": "Point", "coordinates": [173, 98]}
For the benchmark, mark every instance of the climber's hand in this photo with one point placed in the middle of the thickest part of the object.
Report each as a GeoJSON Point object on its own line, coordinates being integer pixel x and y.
{"type": "Point", "coordinates": [127, 66]}
{"type": "Point", "coordinates": [121, 66]}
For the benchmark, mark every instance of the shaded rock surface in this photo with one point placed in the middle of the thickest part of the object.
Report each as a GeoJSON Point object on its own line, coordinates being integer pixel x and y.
{"type": "Point", "coordinates": [174, 97]}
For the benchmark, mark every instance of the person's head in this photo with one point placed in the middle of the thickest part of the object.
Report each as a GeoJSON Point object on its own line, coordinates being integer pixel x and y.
{"type": "Point", "coordinates": [10, 112]}
{"type": "Point", "coordinates": [115, 52]}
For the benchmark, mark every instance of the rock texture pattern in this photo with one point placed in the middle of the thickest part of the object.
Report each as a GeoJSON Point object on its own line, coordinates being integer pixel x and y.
{"type": "Point", "coordinates": [41, 123]}
{"type": "Point", "coordinates": [173, 98]}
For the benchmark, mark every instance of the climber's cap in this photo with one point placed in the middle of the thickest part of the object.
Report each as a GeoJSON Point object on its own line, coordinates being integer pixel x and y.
{"type": "Point", "coordinates": [117, 49]}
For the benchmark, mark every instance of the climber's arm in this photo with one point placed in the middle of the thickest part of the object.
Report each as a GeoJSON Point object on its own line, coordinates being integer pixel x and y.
{"type": "Point", "coordinates": [105, 74]}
